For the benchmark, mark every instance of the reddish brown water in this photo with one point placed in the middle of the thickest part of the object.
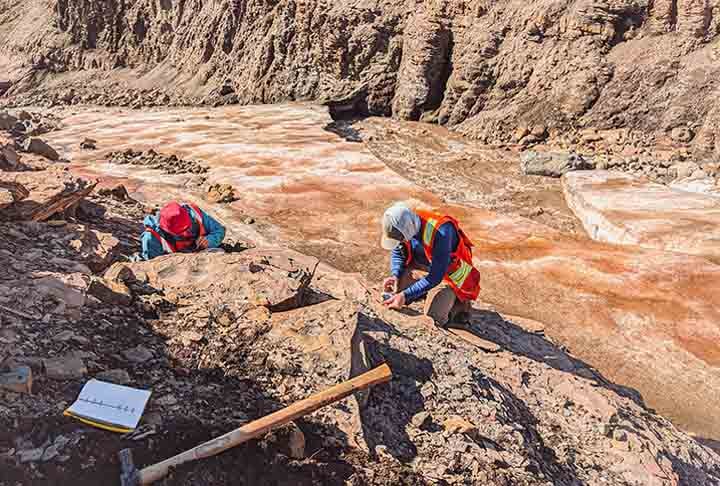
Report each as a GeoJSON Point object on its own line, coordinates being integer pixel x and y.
{"type": "Point", "coordinates": [647, 319]}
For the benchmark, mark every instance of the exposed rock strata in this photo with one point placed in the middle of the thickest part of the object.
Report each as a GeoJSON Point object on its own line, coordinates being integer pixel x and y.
{"type": "Point", "coordinates": [483, 67]}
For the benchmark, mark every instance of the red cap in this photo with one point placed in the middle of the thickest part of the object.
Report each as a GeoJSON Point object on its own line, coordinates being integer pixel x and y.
{"type": "Point", "coordinates": [174, 219]}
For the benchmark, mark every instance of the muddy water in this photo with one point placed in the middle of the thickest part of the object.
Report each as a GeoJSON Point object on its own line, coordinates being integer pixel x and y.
{"type": "Point", "coordinates": [321, 194]}
{"type": "Point", "coordinates": [646, 319]}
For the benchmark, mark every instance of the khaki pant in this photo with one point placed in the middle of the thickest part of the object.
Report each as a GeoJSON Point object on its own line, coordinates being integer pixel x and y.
{"type": "Point", "coordinates": [441, 303]}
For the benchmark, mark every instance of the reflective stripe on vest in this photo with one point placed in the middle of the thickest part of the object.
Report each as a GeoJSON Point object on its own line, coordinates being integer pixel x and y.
{"type": "Point", "coordinates": [430, 228]}
{"type": "Point", "coordinates": [166, 245]}
{"type": "Point", "coordinates": [197, 216]}
{"type": "Point", "coordinates": [461, 274]}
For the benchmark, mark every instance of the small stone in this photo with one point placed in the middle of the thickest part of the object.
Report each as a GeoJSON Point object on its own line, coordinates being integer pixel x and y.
{"type": "Point", "coordinates": [539, 131]}
{"type": "Point", "coordinates": [682, 135]}
{"type": "Point", "coordinates": [188, 337]}
{"type": "Point", "coordinates": [221, 193]}
{"type": "Point", "coordinates": [65, 368]}
{"type": "Point", "coordinates": [296, 442]}
{"type": "Point", "coordinates": [110, 292]}
{"type": "Point", "coordinates": [620, 435]}
{"type": "Point", "coordinates": [458, 425]}
{"type": "Point", "coordinates": [50, 453]}
{"type": "Point", "coordinates": [30, 455]}
{"type": "Point", "coordinates": [520, 133]}
{"type": "Point", "coordinates": [88, 144]}
{"type": "Point", "coordinates": [40, 147]}
{"type": "Point", "coordinates": [683, 169]}
{"type": "Point", "coordinates": [420, 419]}
{"type": "Point", "coordinates": [138, 354]}
{"type": "Point", "coordinates": [119, 377]}
{"type": "Point", "coordinates": [7, 121]}
{"type": "Point", "coordinates": [167, 401]}
{"type": "Point", "coordinates": [698, 174]}
{"type": "Point", "coordinates": [64, 336]}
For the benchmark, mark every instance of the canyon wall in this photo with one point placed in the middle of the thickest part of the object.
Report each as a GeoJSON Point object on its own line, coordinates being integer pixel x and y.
{"type": "Point", "coordinates": [494, 70]}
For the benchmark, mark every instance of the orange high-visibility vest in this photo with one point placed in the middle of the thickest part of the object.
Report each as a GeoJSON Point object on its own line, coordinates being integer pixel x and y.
{"type": "Point", "coordinates": [461, 275]}
{"type": "Point", "coordinates": [180, 245]}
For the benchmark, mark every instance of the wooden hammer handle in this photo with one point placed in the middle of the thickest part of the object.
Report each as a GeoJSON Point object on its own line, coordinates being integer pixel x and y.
{"type": "Point", "coordinates": [256, 428]}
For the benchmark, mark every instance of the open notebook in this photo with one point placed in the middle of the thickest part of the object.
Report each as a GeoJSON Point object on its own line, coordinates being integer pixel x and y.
{"type": "Point", "coordinates": [108, 406]}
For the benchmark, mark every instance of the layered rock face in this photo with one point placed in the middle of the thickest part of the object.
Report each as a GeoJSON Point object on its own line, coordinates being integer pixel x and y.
{"type": "Point", "coordinates": [484, 67]}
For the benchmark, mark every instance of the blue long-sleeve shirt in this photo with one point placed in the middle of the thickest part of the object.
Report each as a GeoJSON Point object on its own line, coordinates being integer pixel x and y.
{"type": "Point", "coordinates": [446, 242]}
{"type": "Point", "coordinates": [152, 248]}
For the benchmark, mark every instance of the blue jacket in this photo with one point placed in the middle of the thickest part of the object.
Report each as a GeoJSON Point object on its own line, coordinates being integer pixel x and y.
{"type": "Point", "coordinates": [152, 248]}
{"type": "Point", "coordinates": [446, 242]}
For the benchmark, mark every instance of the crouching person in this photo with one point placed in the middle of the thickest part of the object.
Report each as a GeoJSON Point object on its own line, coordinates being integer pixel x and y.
{"type": "Point", "coordinates": [183, 228]}
{"type": "Point", "coordinates": [434, 243]}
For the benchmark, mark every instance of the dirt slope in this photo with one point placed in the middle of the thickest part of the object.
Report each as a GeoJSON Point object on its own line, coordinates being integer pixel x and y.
{"type": "Point", "coordinates": [492, 69]}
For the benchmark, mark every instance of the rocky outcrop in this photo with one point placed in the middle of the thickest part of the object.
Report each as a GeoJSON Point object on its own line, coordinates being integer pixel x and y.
{"type": "Point", "coordinates": [454, 412]}
{"type": "Point", "coordinates": [620, 208]}
{"type": "Point", "coordinates": [425, 62]}
{"type": "Point", "coordinates": [485, 68]}
{"type": "Point", "coordinates": [552, 164]}
{"type": "Point", "coordinates": [40, 147]}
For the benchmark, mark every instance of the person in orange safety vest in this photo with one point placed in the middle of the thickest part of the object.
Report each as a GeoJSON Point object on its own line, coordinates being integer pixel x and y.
{"type": "Point", "coordinates": [435, 243]}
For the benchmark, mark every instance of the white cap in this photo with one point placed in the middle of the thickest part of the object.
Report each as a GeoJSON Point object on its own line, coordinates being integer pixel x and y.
{"type": "Point", "coordinates": [399, 223]}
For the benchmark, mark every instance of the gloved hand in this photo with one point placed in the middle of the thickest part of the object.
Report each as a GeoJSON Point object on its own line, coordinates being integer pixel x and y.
{"type": "Point", "coordinates": [397, 302]}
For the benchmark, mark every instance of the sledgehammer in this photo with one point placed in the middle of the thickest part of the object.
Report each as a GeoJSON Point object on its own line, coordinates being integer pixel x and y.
{"type": "Point", "coordinates": [130, 476]}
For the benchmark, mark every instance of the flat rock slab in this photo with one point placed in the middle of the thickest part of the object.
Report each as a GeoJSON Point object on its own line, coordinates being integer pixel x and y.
{"type": "Point", "coordinates": [255, 280]}
{"type": "Point", "coordinates": [65, 368]}
{"type": "Point", "coordinates": [620, 208]}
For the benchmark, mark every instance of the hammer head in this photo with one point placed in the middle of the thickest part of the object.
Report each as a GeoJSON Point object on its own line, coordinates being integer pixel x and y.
{"type": "Point", "coordinates": [129, 474]}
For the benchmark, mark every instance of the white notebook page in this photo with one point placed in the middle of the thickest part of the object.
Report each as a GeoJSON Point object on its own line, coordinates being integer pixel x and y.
{"type": "Point", "coordinates": [111, 404]}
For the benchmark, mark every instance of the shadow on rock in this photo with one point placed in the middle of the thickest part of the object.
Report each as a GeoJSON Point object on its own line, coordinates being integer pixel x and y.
{"type": "Point", "coordinates": [491, 326]}
{"type": "Point", "coordinates": [390, 409]}
{"type": "Point", "coordinates": [540, 457]}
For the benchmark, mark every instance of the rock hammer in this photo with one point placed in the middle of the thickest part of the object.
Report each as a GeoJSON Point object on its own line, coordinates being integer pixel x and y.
{"type": "Point", "coordinates": [131, 476]}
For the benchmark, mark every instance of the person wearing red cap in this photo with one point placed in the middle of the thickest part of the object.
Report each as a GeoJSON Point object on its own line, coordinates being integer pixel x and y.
{"type": "Point", "coordinates": [181, 228]}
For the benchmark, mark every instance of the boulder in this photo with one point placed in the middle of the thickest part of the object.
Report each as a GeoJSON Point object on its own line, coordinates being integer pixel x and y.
{"type": "Point", "coordinates": [97, 249]}
{"type": "Point", "coordinates": [65, 368]}
{"type": "Point", "coordinates": [275, 283]}
{"type": "Point", "coordinates": [620, 208]}
{"type": "Point", "coordinates": [682, 135]}
{"type": "Point", "coordinates": [37, 146]}
{"type": "Point", "coordinates": [552, 164]}
{"type": "Point", "coordinates": [8, 159]}
{"type": "Point", "coordinates": [7, 121]}
{"type": "Point", "coordinates": [4, 86]}
{"type": "Point", "coordinates": [681, 170]}
{"type": "Point", "coordinates": [424, 60]}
